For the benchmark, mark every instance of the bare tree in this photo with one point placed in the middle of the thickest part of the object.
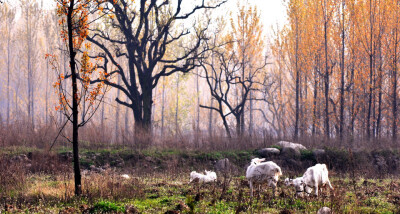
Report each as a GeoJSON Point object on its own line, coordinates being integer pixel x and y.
{"type": "Point", "coordinates": [224, 75]}
{"type": "Point", "coordinates": [149, 34]}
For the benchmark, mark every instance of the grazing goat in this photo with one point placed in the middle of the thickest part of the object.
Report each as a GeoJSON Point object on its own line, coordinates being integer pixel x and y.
{"type": "Point", "coordinates": [316, 177]}
{"type": "Point", "coordinates": [125, 176]}
{"type": "Point", "coordinates": [263, 172]}
{"type": "Point", "coordinates": [257, 160]}
{"type": "Point", "coordinates": [210, 176]}
{"type": "Point", "coordinates": [297, 183]}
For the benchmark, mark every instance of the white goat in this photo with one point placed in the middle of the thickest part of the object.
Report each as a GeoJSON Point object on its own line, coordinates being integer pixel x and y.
{"type": "Point", "coordinates": [257, 160]}
{"type": "Point", "coordinates": [316, 177]}
{"type": "Point", "coordinates": [263, 172]}
{"type": "Point", "coordinates": [298, 185]}
{"type": "Point", "coordinates": [125, 176]}
{"type": "Point", "coordinates": [210, 176]}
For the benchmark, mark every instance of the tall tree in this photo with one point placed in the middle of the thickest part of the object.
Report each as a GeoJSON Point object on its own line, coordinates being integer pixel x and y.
{"type": "Point", "coordinates": [247, 30]}
{"type": "Point", "coordinates": [149, 31]}
{"type": "Point", "coordinates": [32, 13]}
{"type": "Point", "coordinates": [9, 15]}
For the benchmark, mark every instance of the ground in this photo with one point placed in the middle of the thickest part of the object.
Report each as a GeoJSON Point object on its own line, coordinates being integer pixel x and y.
{"type": "Point", "coordinates": [46, 186]}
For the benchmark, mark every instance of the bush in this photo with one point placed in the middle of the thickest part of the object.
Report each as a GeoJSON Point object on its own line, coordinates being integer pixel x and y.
{"type": "Point", "coordinates": [307, 155]}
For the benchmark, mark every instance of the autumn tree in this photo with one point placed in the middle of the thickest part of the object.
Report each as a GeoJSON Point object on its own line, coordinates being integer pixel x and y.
{"type": "Point", "coordinates": [74, 30]}
{"type": "Point", "coordinates": [8, 12]}
{"type": "Point", "coordinates": [32, 14]}
{"type": "Point", "coordinates": [247, 31]}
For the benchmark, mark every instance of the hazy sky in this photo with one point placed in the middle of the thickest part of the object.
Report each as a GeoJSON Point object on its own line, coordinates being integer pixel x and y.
{"type": "Point", "coordinates": [272, 11]}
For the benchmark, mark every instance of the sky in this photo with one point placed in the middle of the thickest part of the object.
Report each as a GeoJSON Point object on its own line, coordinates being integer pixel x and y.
{"type": "Point", "coordinates": [272, 12]}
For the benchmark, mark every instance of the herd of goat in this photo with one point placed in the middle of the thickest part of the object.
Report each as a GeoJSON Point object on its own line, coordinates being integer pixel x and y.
{"type": "Point", "coordinates": [260, 172]}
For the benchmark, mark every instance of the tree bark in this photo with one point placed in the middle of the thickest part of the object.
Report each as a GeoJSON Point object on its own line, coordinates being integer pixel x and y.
{"type": "Point", "coordinates": [394, 88]}
{"type": "Point", "coordinates": [177, 105]}
{"type": "Point", "coordinates": [75, 144]}
{"type": "Point", "coordinates": [326, 74]}
{"type": "Point", "coordinates": [117, 131]}
{"type": "Point", "coordinates": [8, 71]}
{"type": "Point", "coordinates": [297, 89]}
{"type": "Point", "coordinates": [342, 74]}
{"type": "Point", "coordinates": [162, 107]}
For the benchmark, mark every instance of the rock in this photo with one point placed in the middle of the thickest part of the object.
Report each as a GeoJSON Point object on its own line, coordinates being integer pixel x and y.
{"type": "Point", "coordinates": [290, 153]}
{"type": "Point", "coordinates": [268, 152]}
{"type": "Point", "coordinates": [285, 144]}
{"type": "Point", "coordinates": [224, 165]}
{"type": "Point", "coordinates": [324, 210]}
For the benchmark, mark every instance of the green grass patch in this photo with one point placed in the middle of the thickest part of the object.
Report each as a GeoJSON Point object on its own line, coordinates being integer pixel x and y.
{"type": "Point", "coordinates": [107, 207]}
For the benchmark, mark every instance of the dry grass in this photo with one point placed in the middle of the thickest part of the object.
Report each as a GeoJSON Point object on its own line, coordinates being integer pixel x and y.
{"type": "Point", "coordinates": [20, 133]}
{"type": "Point", "coordinates": [158, 193]}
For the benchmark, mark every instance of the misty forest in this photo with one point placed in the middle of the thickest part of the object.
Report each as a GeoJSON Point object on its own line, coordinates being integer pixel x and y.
{"type": "Point", "coordinates": [199, 106]}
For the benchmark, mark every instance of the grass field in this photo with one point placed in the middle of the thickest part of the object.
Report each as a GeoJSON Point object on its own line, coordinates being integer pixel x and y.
{"type": "Point", "coordinates": [108, 193]}
{"type": "Point", "coordinates": [47, 187]}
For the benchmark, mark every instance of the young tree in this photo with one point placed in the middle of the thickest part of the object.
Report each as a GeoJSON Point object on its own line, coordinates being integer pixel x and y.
{"type": "Point", "coordinates": [74, 30]}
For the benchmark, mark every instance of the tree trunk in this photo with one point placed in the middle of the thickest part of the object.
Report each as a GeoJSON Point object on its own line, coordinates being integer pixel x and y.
{"type": "Point", "coordinates": [8, 73]}
{"type": "Point", "coordinates": [371, 73]}
{"type": "Point", "coordinates": [342, 74]}
{"type": "Point", "coordinates": [394, 89]}
{"type": "Point", "coordinates": [116, 131]}
{"type": "Point", "coordinates": [177, 106]}
{"type": "Point", "coordinates": [238, 125]}
{"type": "Point", "coordinates": [370, 96]}
{"type": "Point", "coordinates": [198, 103]}
{"type": "Point", "coordinates": [162, 107]}
{"type": "Point", "coordinates": [251, 114]}
{"type": "Point", "coordinates": [72, 54]}
{"type": "Point", "coordinates": [28, 62]}
{"type": "Point", "coordinates": [47, 93]}
{"type": "Point", "coordinates": [315, 99]}
{"type": "Point", "coordinates": [380, 79]}
{"type": "Point", "coordinates": [297, 101]}
{"type": "Point", "coordinates": [326, 78]}
{"type": "Point", "coordinates": [102, 119]}
{"type": "Point", "coordinates": [126, 130]}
